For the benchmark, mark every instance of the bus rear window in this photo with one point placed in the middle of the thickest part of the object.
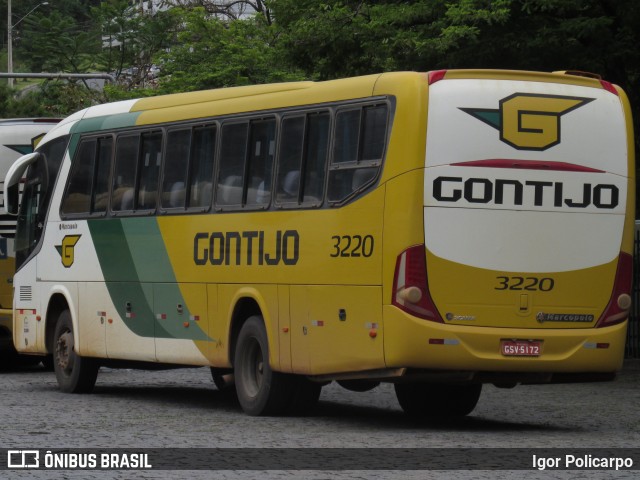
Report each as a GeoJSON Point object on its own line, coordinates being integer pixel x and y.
{"type": "Point", "coordinates": [360, 138]}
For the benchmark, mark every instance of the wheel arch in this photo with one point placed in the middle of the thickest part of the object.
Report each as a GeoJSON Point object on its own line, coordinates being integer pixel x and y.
{"type": "Point", "coordinates": [246, 303]}
{"type": "Point", "coordinates": [59, 301]}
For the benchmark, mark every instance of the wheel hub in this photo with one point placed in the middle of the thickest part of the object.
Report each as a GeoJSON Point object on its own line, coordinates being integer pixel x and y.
{"type": "Point", "coordinates": [64, 350]}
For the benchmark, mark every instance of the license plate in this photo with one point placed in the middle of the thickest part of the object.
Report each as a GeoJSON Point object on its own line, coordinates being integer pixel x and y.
{"type": "Point", "coordinates": [521, 348]}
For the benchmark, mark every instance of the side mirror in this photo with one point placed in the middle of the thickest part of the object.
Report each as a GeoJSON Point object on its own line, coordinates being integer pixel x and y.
{"type": "Point", "coordinates": [12, 181]}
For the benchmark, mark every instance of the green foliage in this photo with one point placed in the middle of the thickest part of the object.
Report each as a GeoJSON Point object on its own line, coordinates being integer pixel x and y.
{"type": "Point", "coordinates": [130, 39]}
{"type": "Point", "coordinates": [337, 38]}
{"type": "Point", "coordinates": [330, 39]}
{"type": "Point", "coordinates": [56, 42]}
{"type": "Point", "coordinates": [53, 99]}
{"type": "Point", "coordinates": [210, 53]}
{"type": "Point", "coordinates": [115, 93]}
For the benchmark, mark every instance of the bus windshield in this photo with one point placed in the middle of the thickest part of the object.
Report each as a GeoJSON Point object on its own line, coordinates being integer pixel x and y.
{"type": "Point", "coordinates": [36, 197]}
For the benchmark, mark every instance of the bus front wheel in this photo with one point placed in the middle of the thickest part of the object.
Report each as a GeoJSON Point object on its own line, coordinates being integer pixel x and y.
{"type": "Point", "coordinates": [75, 374]}
{"type": "Point", "coordinates": [430, 400]}
{"type": "Point", "coordinates": [260, 390]}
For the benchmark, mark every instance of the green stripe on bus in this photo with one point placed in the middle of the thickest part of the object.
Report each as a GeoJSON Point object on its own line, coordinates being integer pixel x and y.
{"type": "Point", "coordinates": [135, 266]}
{"type": "Point", "coordinates": [98, 124]}
{"type": "Point", "coordinates": [109, 122]}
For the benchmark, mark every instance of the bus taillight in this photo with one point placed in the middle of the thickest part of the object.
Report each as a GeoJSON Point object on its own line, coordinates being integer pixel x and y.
{"type": "Point", "coordinates": [609, 87]}
{"type": "Point", "coordinates": [436, 75]}
{"type": "Point", "coordinates": [620, 303]}
{"type": "Point", "coordinates": [410, 285]}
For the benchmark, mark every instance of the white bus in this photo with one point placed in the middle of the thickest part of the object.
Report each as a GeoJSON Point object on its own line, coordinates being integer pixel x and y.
{"type": "Point", "coordinates": [18, 136]}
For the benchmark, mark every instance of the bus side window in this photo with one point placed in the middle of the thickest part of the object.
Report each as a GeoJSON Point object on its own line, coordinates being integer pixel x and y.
{"type": "Point", "coordinates": [360, 137]}
{"type": "Point", "coordinates": [201, 166]}
{"type": "Point", "coordinates": [347, 135]}
{"type": "Point", "coordinates": [316, 157]}
{"type": "Point", "coordinates": [124, 176]}
{"type": "Point", "coordinates": [174, 183]}
{"type": "Point", "coordinates": [231, 164]}
{"type": "Point", "coordinates": [151, 159]}
{"type": "Point", "coordinates": [100, 196]}
{"type": "Point", "coordinates": [261, 153]}
{"type": "Point", "coordinates": [290, 160]}
{"type": "Point", "coordinates": [374, 133]}
{"type": "Point", "coordinates": [87, 190]}
{"type": "Point", "coordinates": [77, 198]}
{"type": "Point", "coordinates": [302, 160]}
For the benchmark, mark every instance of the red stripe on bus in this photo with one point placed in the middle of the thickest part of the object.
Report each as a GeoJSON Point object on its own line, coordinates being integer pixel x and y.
{"type": "Point", "coordinates": [528, 165]}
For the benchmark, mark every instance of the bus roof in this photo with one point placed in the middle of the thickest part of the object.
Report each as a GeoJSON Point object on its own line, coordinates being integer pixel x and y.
{"type": "Point", "coordinates": [237, 100]}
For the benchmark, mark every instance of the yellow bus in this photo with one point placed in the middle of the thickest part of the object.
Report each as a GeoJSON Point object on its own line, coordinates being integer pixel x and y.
{"type": "Point", "coordinates": [18, 136]}
{"type": "Point", "coordinates": [437, 230]}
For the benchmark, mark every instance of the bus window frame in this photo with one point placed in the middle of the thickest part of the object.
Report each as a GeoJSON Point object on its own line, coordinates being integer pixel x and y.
{"type": "Point", "coordinates": [137, 132]}
{"type": "Point", "coordinates": [278, 114]}
{"type": "Point", "coordinates": [301, 203]}
{"type": "Point", "coordinates": [90, 214]}
{"type": "Point", "coordinates": [358, 163]}
{"type": "Point", "coordinates": [249, 120]}
{"type": "Point", "coordinates": [192, 127]}
{"type": "Point", "coordinates": [53, 177]}
{"type": "Point", "coordinates": [162, 209]}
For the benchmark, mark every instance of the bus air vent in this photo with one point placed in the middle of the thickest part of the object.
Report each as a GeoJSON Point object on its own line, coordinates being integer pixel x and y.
{"type": "Point", "coordinates": [25, 293]}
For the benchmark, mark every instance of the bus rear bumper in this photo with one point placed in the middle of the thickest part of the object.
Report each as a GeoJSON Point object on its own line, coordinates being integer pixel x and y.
{"type": "Point", "coordinates": [576, 354]}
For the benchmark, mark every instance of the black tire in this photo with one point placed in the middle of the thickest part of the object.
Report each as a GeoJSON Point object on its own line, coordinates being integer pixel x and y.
{"type": "Point", "coordinates": [261, 391]}
{"type": "Point", "coordinates": [430, 400]}
{"type": "Point", "coordinates": [75, 374]}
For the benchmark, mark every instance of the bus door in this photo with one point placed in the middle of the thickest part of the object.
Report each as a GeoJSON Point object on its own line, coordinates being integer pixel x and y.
{"type": "Point", "coordinates": [32, 215]}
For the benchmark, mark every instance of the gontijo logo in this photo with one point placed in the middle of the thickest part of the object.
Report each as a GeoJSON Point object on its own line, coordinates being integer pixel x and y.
{"type": "Point", "coordinates": [67, 249]}
{"type": "Point", "coordinates": [529, 121]}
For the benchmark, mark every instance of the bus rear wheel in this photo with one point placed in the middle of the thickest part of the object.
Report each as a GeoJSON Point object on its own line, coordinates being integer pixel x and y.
{"type": "Point", "coordinates": [260, 390]}
{"type": "Point", "coordinates": [430, 400]}
{"type": "Point", "coordinates": [75, 374]}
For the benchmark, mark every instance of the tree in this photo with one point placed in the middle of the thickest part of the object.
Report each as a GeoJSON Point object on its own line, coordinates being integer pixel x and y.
{"type": "Point", "coordinates": [57, 42]}
{"type": "Point", "coordinates": [226, 9]}
{"type": "Point", "coordinates": [210, 52]}
{"type": "Point", "coordinates": [53, 99]}
{"type": "Point", "coordinates": [53, 33]}
{"type": "Point", "coordinates": [131, 39]}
